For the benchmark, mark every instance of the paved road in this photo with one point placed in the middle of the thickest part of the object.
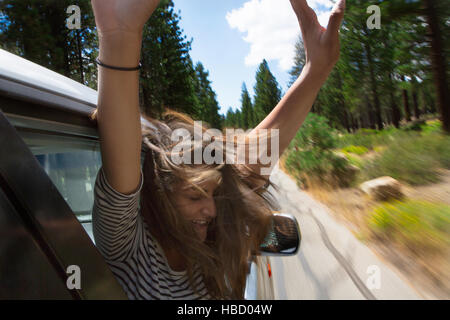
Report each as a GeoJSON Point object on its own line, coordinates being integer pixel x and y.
{"type": "Point", "coordinates": [331, 263]}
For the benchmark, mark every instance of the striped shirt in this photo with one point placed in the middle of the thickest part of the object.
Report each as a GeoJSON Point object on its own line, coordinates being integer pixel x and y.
{"type": "Point", "coordinates": [132, 253]}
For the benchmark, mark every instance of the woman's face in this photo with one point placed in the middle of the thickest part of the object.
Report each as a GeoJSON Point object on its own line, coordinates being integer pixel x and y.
{"type": "Point", "coordinates": [197, 207]}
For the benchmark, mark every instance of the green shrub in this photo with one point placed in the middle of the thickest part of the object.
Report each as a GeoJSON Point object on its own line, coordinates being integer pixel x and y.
{"type": "Point", "coordinates": [417, 224]}
{"type": "Point", "coordinates": [310, 153]}
{"type": "Point", "coordinates": [312, 162]}
{"type": "Point", "coordinates": [354, 160]}
{"type": "Point", "coordinates": [379, 149]}
{"type": "Point", "coordinates": [433, 126]}
{"type": "Point", "coordinates": [411, 156]}
{"type": "Point", "coordinates": [371, 139]}
{"type": "Point", "coordinates": [367, 131]}
{"type": "Point", "coordinates": [315, 133]}
{"type": "Point", "coordinates": [438, 145]}
{"type": "Point", "coordinates": [403, 162]}
{"type": "Point", "coordinates": [414, 159]}
{"type": "Point", "coordinates": [359, 150]}
{"type": "Point", "coordinates": [356, 139]}
{"type": "Point", "coordinates": [414, 126]}
{"type": "Point", "coordinates": [342, 174]}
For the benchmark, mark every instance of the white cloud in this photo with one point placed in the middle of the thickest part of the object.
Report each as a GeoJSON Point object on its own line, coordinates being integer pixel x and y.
{"type": "Point", "coordinates": [271, 28]}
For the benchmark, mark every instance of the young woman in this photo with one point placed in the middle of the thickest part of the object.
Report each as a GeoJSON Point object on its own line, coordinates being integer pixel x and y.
{"type": "Point", "coordinates": [175, 230]}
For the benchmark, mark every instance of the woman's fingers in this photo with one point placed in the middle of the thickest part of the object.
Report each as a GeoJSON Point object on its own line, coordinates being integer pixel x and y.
{"type": "Point", "coordinates": [299, 4]}
{"type": "Point", "coordinates": [336, 17]}
{"type": "Point", "coordinates": [305, 14]}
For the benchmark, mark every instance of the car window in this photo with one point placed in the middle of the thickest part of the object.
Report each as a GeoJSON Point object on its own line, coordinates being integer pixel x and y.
{"type": "Point", "coordinates": [72, 165]}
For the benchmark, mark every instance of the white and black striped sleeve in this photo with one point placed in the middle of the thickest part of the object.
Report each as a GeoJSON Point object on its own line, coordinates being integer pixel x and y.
{"type": "Point", "coordinates": [115, 219]}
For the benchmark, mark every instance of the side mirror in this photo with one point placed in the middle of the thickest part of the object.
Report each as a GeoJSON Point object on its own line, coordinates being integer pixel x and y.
{"type": "Point", "coordinates": [283, 238]}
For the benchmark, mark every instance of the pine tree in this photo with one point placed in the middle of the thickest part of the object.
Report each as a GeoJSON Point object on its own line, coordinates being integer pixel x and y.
{"type": "Point", "coordinates": [434, 14]}
{"type": "Point", "coordinates": [167, 77]}
{"type": "Point", "coordinates": [234, 119]}
{"type": "Point", "coordinates": [37, 31]}
{"type": "Point", "coordinates": [228, 123]}
{"type": "Point", "coordinates": [247, 109]}
{"type": "Point", "coordinates": [208, 106]}
{"type": "Point", "coordinates": [238, 123]}
{"type": "Point", "coordinates": [299, 61]}
{"type": "Point", "coordinates": [267, 92]}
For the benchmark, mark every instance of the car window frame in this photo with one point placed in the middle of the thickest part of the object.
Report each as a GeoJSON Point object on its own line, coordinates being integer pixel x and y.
{"type": "Point", "coordinates": [59, 231]}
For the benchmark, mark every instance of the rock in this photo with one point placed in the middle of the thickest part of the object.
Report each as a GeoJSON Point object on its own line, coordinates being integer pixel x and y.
{"type": "Point", "coordinates": [383, 189]}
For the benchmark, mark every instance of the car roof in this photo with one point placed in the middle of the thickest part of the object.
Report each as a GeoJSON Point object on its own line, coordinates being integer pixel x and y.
{"type": "Point", "coordinates": [50, 95]}
{"type": "Point", "coordinates": [15, 69]}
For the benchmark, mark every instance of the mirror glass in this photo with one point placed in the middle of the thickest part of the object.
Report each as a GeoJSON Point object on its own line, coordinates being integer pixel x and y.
{"type": "Point", "coordinates": [284, 236]}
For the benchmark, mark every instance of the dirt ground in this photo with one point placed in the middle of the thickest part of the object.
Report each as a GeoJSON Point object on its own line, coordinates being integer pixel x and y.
{"type": "Point", "coordinates": [429, 273]}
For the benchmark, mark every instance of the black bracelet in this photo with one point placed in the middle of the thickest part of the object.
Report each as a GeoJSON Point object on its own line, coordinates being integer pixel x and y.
{"type": "Point", "coordinates": [118, 68]}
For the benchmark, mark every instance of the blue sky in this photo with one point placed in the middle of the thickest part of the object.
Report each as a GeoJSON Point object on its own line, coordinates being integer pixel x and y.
{"type": "Point", "coordinates": [231, 38]}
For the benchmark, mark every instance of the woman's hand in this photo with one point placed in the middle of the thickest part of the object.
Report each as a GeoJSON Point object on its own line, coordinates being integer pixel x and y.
{"type": "Point", "coordinates": [122, 16]}
{"type": "Point", "coordinates": [321, 45]}
{"type": "Point", "coordinates": [120, 24]}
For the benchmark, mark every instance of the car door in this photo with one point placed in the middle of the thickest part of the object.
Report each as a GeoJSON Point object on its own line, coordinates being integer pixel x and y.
{"type": "Point", "coordinates": [45, 253]}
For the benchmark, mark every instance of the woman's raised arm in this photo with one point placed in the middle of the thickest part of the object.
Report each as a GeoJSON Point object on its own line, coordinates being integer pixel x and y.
{"type": "Point", "coordinates": [322, 52]}
{"type": "Point", "coordinates": [119, 25]}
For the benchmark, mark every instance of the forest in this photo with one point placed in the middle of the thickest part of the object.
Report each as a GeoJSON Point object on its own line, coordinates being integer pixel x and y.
{"type": "Point", "coordinates": [385, 76]}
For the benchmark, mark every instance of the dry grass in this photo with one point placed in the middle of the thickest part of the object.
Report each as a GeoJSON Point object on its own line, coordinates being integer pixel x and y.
{"type": "Point", "coordinates": [437, 192]}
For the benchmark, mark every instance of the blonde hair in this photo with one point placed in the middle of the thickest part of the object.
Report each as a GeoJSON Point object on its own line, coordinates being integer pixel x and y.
{"type": "Point", "coordinates": [243, 209]}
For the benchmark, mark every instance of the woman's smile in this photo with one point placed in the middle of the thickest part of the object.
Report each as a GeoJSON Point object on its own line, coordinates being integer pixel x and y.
{"type": "Point", "coordinates": [201, 227]}
{"type": "Point", "coordinates": [201, 222]}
